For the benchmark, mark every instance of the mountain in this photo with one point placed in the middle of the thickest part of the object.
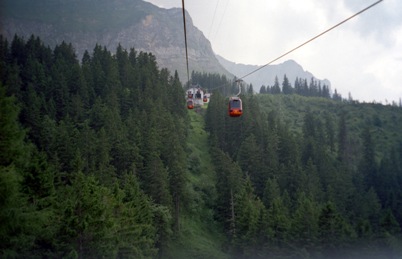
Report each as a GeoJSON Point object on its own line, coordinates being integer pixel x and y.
{"type": "Point", "coordinates": [266, 76]}
{"type": "Point", "coordinates": [131, 23]}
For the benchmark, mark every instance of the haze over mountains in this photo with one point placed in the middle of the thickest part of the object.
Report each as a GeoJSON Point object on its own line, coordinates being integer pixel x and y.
{"type": "Point", "coordinates": [133, 24]}
{"type": "Point", "coordinates": [266, 76]}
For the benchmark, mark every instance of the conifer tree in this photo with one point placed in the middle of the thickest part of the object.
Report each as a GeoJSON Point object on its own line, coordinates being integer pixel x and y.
{"type": "Point", "coordinates": [248, 208]}
{"type": "Point", "coordinates": [86, 225]}
{"type": "Point", "coordinates": [334, 231]}
{"type": "Point", "coordinates": [11, 137]}
{"type": "Point", "coordinates": [251, 161]}
{"type": "Point", "coordinates": [305, 223]}
{"type": "Point", "coordinates": [279, 223]}
{"type": "Point", "coordinates": [135, 231]}
{"type": "Point", "coordinates": [229, 182]}
{"type": "Point", "coordinates": [276, 89]}
{"type": "Point", "coordinates": [263, 89]}
{"type": "Point", "coordinates": [286, 86]}
{"type": "Point", "coordinates": [271, 192]}
{"type": "Point", "coordinates": [368, 167]}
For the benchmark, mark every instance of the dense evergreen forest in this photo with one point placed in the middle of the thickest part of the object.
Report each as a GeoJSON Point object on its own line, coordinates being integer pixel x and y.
{"type": "Point", "coordinates": [100, 158]}
{"type": "Point", "coordinates": [309, 177]}
{"type": "Point", "coordinates": [93, 153]}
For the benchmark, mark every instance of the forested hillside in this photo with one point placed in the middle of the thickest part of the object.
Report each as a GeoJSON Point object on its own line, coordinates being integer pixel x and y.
{"type": "Point", "coordinates": [93, 155]}
{"type": "Point", "coordinates": [100, 158]}
{"type": "Point", "coordinates": [308, 177]}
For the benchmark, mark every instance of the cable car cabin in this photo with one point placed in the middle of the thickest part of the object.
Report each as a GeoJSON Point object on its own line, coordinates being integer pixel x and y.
{"type": "Point", "coordinates": [190, 95]}
{"type": "Point", "coordinates": [235, 107]}
{"type": "Point", "coordinates": [205, 99]}
{"type": "Point", "coordinates": [190, 104]}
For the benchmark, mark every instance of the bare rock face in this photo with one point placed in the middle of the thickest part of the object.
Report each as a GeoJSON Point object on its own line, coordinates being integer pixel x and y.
{"type": "Point", "coordinates": [132, 24]}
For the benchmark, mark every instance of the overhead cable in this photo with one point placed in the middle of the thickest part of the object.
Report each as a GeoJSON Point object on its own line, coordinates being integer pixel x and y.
{"type": "Point", "coordinates": [213, 18]}
{"type": "Point", "coordinates": [185, 40]}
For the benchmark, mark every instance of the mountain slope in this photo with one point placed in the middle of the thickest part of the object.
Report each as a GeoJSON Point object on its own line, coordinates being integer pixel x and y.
{"type": "Point", "coordinates": [133, 24]}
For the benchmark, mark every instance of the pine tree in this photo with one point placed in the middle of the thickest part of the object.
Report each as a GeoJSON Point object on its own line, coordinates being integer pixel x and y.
{"type": "Point", "coordinates": [305, 223]}
{"type": "Point", "coordinates": [286, 86]}
{"type": "Point", "coordinates": [368, 166]}
{"type": "Point", "coordinates": [4, 58]}
{"type": "Point", "coordinates": [310, 182]}
{"type": "Point", "coordinates": [136, 232]}
{"type": "Point", "coordinates": [334, 231]}
{"type": "Point", "coordinates": [313, 87]}
{"type": "Point", "coordinates": [248, 209]}
{"type": "Point", "coordinates": [271, 192]}
{"type": "Point", "coordinates": [228, 183]}
{"type": "Point", "coordinates": [276, 88]}
{"type": "Point", "coordinates": [86, 225]}
{"type": "Point", "coordinates": [11, 137]}
{"type": "Point", "coordinates": [251, 162]}
{"type": "Point", "coordinates": [279, 223]}
{"type": "Point", "coordinates": [263, 89]}
{"type": "Point", "coordinates": [389, 224]}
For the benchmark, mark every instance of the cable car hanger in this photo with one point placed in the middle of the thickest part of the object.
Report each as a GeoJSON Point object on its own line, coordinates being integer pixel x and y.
{"type": "Point", "coordinates": [238, 81]}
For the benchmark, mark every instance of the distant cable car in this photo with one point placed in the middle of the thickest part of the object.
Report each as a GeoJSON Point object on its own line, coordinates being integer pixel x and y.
{"type": "Point", "coordinates": [235, 107]}
{"type": "Point", "coordinates": [205, 99]}
{"type": "Point", "coordinates": [190, 104]}
{"type": "Point", "coordinates": [190, 94]}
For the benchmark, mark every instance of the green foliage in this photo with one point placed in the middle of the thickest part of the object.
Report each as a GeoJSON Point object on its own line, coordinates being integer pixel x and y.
{"type": "Point", "coordinates": [11, 137]}
{"type": "Point", "coordinates": [101, 159]}
{"type": "Point", "coordinates": [86, 225]}
{"type": "Point", "coordinates": [323, 189]}
{"type": "Point", "coordinates": [247, 222]}
{"type": "Point", "coordinates": [70, 182]}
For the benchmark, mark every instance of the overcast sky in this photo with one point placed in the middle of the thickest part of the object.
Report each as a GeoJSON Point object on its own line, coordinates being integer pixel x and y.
{"type": "Point", "coordinates": [362, 56]}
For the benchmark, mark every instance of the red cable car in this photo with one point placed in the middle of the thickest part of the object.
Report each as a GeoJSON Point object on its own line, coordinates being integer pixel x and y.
{"type": "Point", "coordinates": [190, 104]}
{"type": "Point", "coordinates": [190, 95]}
{"type": "Point", "coordinates": [205, 99]}
{"type": "Point", "coordinates": [235, 107]}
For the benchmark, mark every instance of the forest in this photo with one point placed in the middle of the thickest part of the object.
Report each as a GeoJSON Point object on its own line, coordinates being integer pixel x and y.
{"type": "Point", "coordinates": [101, 159]}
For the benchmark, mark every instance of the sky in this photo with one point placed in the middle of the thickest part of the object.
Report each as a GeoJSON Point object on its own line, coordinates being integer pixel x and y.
{"type": "Point", "coordinates": [362, 57]}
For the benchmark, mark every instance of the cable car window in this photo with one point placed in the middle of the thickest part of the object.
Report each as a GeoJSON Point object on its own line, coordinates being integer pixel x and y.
{"type": "Point", "coordinates": [235, 104]}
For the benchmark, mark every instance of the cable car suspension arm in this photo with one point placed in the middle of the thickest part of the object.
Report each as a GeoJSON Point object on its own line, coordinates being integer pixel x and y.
{"type": "Point", "coordinates": [238, 82]}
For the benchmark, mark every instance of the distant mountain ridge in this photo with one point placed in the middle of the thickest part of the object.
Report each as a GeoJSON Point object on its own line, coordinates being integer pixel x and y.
{"type": "Point", "coordinates": [266, 76]}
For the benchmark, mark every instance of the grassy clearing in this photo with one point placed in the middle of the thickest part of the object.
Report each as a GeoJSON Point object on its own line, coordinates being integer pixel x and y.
{"type": "Point", "coordinates": [198, 240]}
{"type": "Point", "coordinates": [200, 236]}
